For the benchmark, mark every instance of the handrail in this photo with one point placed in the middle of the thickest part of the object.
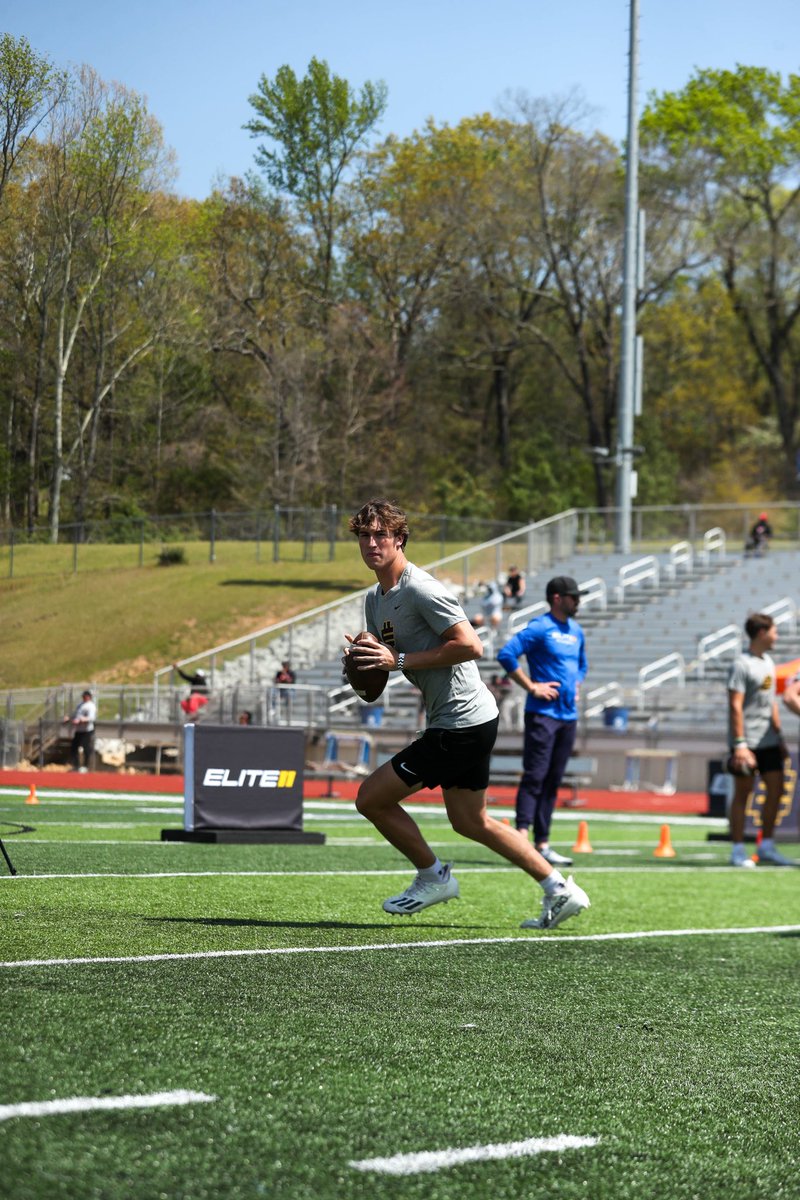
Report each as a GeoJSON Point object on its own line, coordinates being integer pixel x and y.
{"type": "Point", "coordinates": [713, 539]}
{"type": "Point", "coordinates": [715, 644]}
{"type": "Point", "coordinates": [352, 701]}
{"type": "Point", "coordinates": [783, 612]}
{"type": "Point", "coordinates": [594, 589]}
{"type": "Point", "coordinates": [671, 666]}
{"type": "Point", "coordinates": [597, 699]}
{"type": "Point", "coordinates": [523, 615]}
{"type": "Point", "coordinates": [680, 554]}
{"type": "Point", "coordinates": [637, 572]}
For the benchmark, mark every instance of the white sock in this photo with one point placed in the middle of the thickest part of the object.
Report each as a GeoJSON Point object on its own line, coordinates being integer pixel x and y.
{"type": "Point", "coordinates": [553, 883]}
{"type": "Point", "coordinates": [434, 873]}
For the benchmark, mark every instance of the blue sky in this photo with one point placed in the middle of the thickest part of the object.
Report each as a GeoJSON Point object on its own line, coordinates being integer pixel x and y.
{"type": "Point", "coordinates": [197, 62]}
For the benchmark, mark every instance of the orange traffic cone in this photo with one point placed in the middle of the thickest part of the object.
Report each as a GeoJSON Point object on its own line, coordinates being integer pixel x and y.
{"type": "Point", "coordinates": [759, 840]}
{"type": "Point", "coordinates": [583, 845]}
{"type": "Point", "coordinates": [32, 797]}
{"type": "Point", "coordinates": [664, 847]}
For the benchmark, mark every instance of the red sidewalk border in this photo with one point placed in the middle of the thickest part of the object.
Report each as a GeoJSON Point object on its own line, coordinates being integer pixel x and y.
{"type": "Point", "coordinates": [594, 799]}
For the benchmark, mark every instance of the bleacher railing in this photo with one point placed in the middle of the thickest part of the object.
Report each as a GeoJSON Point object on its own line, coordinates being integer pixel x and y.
{"type": "Point", "coordinates": [643, 570]}
{"type": "Point", "coordinates": [724, 641]}
{"type": "Point", "coordinates": [714, 542]}
{"type": "Point", "coordinates": [681, 555]}
{"type": "Point", "coordinates": [663, 670]}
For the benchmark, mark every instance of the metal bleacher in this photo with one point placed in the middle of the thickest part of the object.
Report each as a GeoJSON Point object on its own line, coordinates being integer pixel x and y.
{"type": "Point", "coordinates": [666, 628]}
{"type": "Point", "coordinates": [645, 619]}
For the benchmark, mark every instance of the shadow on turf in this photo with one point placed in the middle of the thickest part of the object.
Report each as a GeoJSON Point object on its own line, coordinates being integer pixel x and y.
{"type": "Point", "coordinates": [249, 921]}
{"type": "Point", "coordinates": [318, 585]}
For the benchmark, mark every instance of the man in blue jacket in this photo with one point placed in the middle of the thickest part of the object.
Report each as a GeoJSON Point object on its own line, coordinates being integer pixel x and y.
{"type": "Point", "coordinates": [555, 648]}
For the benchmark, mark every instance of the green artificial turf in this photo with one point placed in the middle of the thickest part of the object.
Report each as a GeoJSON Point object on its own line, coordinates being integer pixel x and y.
{"type": "Point", "coordinates": [330, 1035]}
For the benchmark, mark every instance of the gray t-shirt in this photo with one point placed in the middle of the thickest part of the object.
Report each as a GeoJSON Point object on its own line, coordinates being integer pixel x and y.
{"type": "Point", "coordinates": [754, 677]}
{"type": "Point", "coordinates": [413, 615]}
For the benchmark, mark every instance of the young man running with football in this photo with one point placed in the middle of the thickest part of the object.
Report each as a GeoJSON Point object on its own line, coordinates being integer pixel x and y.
{"type": "Point", "coordinates": [423, 631]}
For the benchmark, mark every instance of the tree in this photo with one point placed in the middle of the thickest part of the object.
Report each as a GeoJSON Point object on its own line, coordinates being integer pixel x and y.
{"type": "Point", "coordinates": [317, 125]}
{"type": "Point", "coordinates": [30, 88]}
{"type": "Point", "coordinates": [105, 158]}
{"type": "Point", "coordinates": [254, 266]}
{"type": "Point", "coordinates": [728, 149]}
{"type": "Point", "coordinates": [700, 392]}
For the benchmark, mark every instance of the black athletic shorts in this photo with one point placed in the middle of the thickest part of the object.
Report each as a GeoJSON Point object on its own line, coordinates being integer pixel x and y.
{"type": "Point", "coordinates": [769, 759]}
{"type": "Point", "coordinates": [449, 758]}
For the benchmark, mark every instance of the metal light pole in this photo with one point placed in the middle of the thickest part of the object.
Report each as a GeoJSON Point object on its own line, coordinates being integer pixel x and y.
{"type": "Point", "coordinates": [627, 378]}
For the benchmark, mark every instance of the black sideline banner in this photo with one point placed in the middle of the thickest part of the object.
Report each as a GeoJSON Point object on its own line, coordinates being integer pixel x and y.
{"type": "Point", "coordinates": [243, 783]}
{"type": "Point", "coordinates": [787, 825]}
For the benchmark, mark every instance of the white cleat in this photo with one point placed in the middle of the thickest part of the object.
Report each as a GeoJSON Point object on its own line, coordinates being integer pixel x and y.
{"type": "Point", "coordinates": [568, 902]}
{"type": "Point", "coordinates": [740, 858]}
{"type": "Point", "coordinates": [554, 858]}
{"type": "Point", "coordinates": [421, 893]}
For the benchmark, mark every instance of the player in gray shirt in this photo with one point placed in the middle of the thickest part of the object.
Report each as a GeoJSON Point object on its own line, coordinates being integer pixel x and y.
{"type": "Point", "coordinates": [424, 632]}
{"type": "Point", "coordinates": [756, 741]}
{"type": "Point", "coordinates": [417, 612]}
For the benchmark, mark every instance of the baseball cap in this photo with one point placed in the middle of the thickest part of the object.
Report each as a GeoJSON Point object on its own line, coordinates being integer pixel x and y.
{"type": "Point", "coordinates": [562, 585]}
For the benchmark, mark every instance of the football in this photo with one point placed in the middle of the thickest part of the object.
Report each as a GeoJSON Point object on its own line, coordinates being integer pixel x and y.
{"type": "Point", "coordinates": [369, 683]}
{"type": "Point", "coordinates": [735, 767]}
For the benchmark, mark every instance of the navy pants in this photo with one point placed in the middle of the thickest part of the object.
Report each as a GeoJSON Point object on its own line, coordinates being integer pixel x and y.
{"type": "Point", "coordinates": [548, 745]}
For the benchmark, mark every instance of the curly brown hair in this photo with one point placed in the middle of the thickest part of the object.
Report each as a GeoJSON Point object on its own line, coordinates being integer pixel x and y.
{"type": "Point", "coordinates": [388, 515]}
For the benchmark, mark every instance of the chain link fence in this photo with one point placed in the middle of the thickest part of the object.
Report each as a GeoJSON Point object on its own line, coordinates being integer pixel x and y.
{"type": "Point", "coordinates": [281, 534]}
{"type": "Point", "coordinates": [287, 534]}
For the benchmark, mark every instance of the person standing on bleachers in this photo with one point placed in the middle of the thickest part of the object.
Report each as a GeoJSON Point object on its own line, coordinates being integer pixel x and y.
{"type": "Point", "coordinates": [198, 695]}
{"type": "Point", "coordinates": [756, 740]}
{"type": "Point", "coordinates": [555, 648]}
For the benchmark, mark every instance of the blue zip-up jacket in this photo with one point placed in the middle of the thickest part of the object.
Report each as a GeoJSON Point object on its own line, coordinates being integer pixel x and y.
{"type": "Point", "coordinates": [556, 652]}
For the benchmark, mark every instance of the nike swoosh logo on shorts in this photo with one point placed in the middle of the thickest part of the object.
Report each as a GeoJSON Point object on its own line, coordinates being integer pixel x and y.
{"type": "Point", "coordinates": [403, 767]}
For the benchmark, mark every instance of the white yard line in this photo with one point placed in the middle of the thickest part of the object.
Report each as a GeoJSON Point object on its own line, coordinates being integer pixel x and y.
{"type": "Point", "coordinates": [78, 797]}
{"type": "Point", "coordinates": [29, 841]}
{"type": "Point", "coordinates": [319, 808]}
{"type": "Point", "coordinates": [425, 1161]}
{"type": "Point", "coordinates": [586, 868]}
{"type": "Point", "coordinates": [82, 1104]}
{"type": "Point", "coordinates": [433, 944]}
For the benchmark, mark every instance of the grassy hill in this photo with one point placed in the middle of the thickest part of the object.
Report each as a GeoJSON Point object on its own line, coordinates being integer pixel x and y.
{"type": "Point", "coordinates": [115, 621]}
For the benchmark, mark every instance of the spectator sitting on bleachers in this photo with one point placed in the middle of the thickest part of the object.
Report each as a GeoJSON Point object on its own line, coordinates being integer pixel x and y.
{"type": "Point", "coordinates": [492, 605]}
{"type": "Point", "coordinates": [760, 536]}
{"type": "Point", "coordinates": [514, 588]}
